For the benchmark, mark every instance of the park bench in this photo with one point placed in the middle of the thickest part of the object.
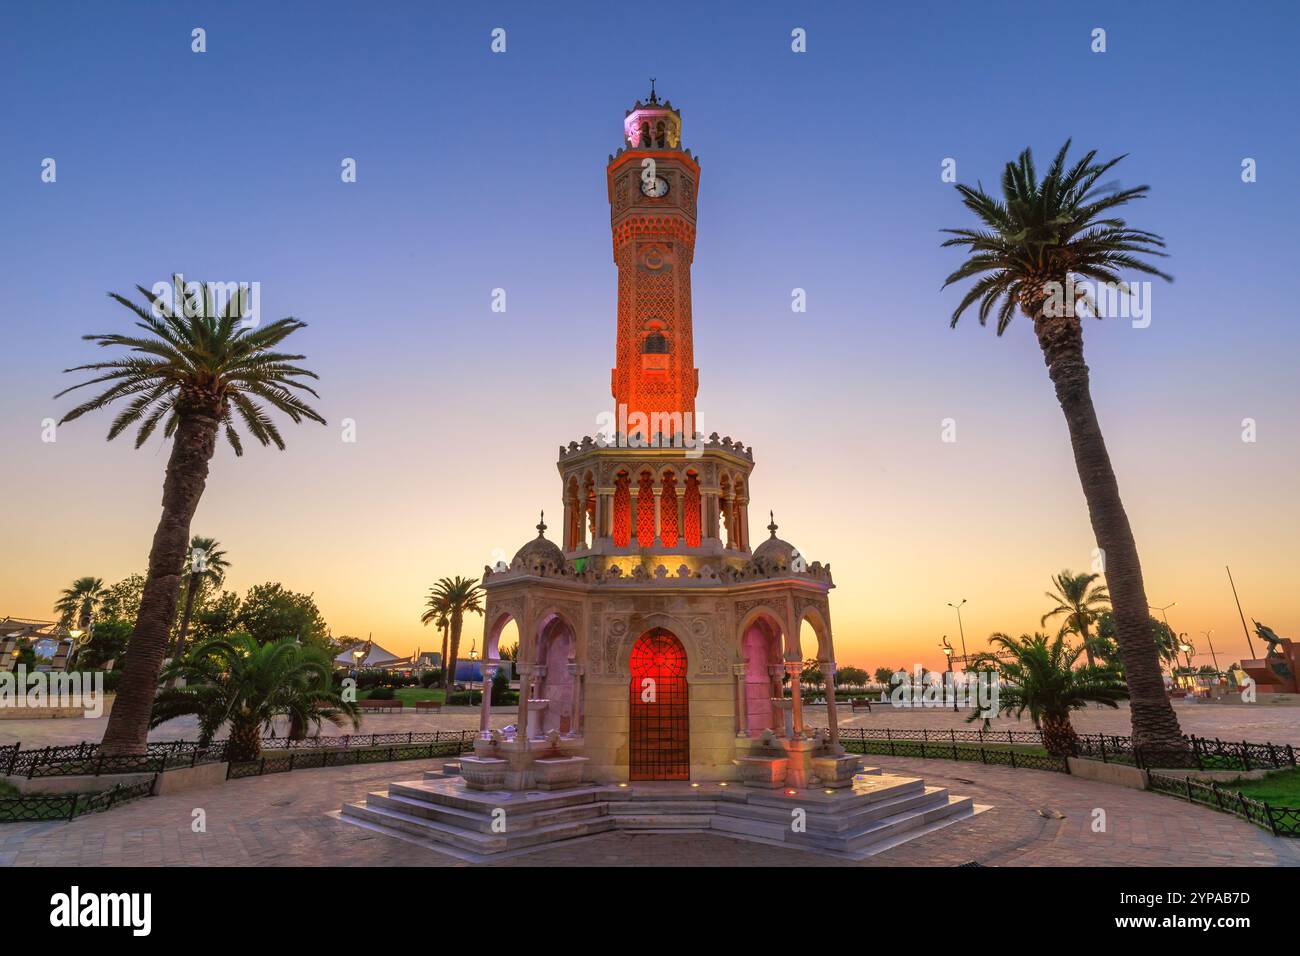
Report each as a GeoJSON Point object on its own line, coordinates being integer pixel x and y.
{"type": "Point", "coordinates": [380, 706]}
{"type": "Point", "coordinates": [861, 703]}
{"type": "Point", "coordinates": [421, 705]}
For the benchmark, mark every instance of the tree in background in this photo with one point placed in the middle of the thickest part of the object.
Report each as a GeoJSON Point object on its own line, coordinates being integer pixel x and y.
{"type": "Point", "coordinates": [1081, 602]}
{"type": "Point", "coordinates": [438, 613]}
{"type": "Point", "coordinates": [1039, 675]}
{"type": "Point", "coordinates": [851, 676]}
{"type": "Point", "coordinates": [122, 600]}
{"type": "Point", "coordinates": [248, 683]}
{"type": "Point", "coordinates": [271, 612]}
{"type": "Point", "coordinates": [205, 566]}
{"type": "Point", "coordinates": [459, 596]}
{"type": "Point", "coordinates": [885, 675]}
{"type": "Point", "coordinates": [78, 605]}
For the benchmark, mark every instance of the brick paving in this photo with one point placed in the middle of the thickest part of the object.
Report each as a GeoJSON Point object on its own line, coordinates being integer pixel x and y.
{"type": "Point", "coordinates": [283, 819]}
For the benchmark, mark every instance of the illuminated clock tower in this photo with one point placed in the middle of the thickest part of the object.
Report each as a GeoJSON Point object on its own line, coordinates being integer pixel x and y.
{"type": "Point", "coordinates": [652, 185]}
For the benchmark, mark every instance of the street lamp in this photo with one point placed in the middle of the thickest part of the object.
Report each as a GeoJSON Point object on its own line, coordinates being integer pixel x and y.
{"type": "Point", "coordinates": [947, 653]}
{"type": "Point", "coordinates": [1164, 612]}
{"type": "Point", "coordinates": [962, 631]}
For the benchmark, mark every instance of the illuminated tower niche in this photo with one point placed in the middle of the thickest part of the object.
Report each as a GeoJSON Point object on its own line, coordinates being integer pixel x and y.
{"type": "Point", "coordinates": [652, 185]}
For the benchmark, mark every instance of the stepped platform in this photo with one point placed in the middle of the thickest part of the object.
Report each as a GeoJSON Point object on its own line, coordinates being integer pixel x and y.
{"type": "Point", "coordinates": [877, 812]}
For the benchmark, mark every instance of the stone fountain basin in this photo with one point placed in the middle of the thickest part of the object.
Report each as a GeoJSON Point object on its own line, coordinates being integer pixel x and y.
{"type": "Point", "coordinates": [763, 770]}
{"type": "Point", "coordinates": [557, 773]}
{"type": "Point", "coordinates": [836, 770]}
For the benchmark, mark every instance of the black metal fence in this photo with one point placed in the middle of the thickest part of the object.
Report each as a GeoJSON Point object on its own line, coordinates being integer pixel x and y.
{"type": "Point", "coordinates": [945, 747]}
{"type": "Point", "coordinates": [1201, 753]}
{"type": "Point", "coordinates": [442, 744]}
{"type": "Point", "coordinates": [1280, 821]}
{"type": "Point", "coordinates": [85, 758]}
{"type": "Point", "coordinates": [38, 807]}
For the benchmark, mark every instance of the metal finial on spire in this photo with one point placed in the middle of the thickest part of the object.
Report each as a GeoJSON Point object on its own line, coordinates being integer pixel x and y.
{"type": "Point", "coordinates": [772, 527]}
{"type": "Point", "coordinates": [654, 97]}
{"type": "Point", "coordinates": [541, 525]}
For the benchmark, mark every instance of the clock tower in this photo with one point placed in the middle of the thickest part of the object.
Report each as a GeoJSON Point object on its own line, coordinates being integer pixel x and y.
{"type": "Point", "coordinates": [652, 184]}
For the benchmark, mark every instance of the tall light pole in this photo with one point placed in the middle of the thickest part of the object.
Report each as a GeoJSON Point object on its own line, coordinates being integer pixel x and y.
{"type": "Point", "coordinates": [1164, 613]}
{"type": "Point", "coordinates": [961, 630]}
{"type": "Point", "coordinates": [1213, 655]}
{"type": "Point", "coordinates": [947, 652]}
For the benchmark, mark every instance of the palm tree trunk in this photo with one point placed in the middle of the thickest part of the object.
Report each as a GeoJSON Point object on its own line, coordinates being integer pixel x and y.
{"type": "Point", "coordinates": [456, 620]}
{"type": "Point", "coordinates": [245, 741]}
{"type": "Point", "coordinates": [185, 624]}
{"type": "Point", "coordinates": [1155, 726]}
{"type": "Point", "coordinates": [187, 474]}
{"type": "Point", "coordinates": [1059, 738]}
{"type": "Point", "coordinates": [1087, 640]}
{"type": "Point", "coordinates": [445, 629]}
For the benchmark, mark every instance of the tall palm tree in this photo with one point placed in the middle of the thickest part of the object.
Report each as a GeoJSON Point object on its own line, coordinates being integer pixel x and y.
{"type": "Point", "coordinates": [1038, 675]}
{"type": "Point", "coordinates": [1080, 602]}
{"type": "Point", "coordinates": [237, 680]}
{"type": "Point", "coordinates": [205, 564]}
{"type": "Point", "coordinates": [460, 596]}
{"type": "Point", "coordinates": [1034, 242]}
{"type": "Point", "coordinates": [437, 614]}
{"type": "Point", "coordinates": [195, 372]}
{"type": "Point", "coordinates": [79, 603]}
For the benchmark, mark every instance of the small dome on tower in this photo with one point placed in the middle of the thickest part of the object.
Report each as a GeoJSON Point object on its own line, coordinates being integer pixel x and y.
{"type": "Point", "coordinates": [774, 550]}
{"type": "Point", "coordinates": [540, 550]}
{"type": "Point", "coordinates": [653, 124]}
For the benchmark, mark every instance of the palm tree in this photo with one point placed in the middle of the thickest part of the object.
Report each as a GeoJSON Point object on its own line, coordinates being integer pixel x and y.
{"type": "Point", "coordinates": [205, 564]}
{"type": "Point", "coordinates": [1076, 598]}
{"type": "Point", "coordinates": [237, 680]}
{"type": "Point", "coordinates": [1038, 675]}
{"type": "Point", "coordinates": [437, 615]}
{"type": "Point", "coordinates": [78, 604]}
{"type": "Point", "coordinates": [194, 372]}
{"type": "Point", "coordinates": [457, 596]}
{"type": "Point", "coordinates": [1035, 241]}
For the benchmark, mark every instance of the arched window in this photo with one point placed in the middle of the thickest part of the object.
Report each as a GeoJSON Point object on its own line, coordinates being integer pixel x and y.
{"type": "Point", "coordinates": [656, 343]}
{"type": "Point", "coordinates": [668, 510]}
{"type": "Point", "coordinates": [622, 530]}
{"type": "Point", "coordinates": [661, 136]}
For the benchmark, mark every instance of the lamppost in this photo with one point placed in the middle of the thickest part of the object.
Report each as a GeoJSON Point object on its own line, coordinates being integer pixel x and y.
{"type": "Point", "coordinates": [1186, 648]}
{"type": "Point", "coordinates": [1213, 655]}
{"type": "Point", "coordinates": [962, 631]}
{"type": "Point", "coordinates": [1164, 612]}
{"type": "Point", "coordinates": [947, 653]}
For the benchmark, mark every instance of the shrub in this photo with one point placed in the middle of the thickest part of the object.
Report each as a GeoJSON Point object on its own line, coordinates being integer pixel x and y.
{"type": "Point", "coordinates": [382, 693]}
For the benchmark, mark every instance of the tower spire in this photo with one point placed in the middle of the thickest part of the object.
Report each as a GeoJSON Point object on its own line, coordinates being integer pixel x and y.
{"type": "Point", "coordinates": [654, 97]}
{"type": "Point", "coordinates": [772, 527]}
{"type": "Point", "coordinates": [541, 525]}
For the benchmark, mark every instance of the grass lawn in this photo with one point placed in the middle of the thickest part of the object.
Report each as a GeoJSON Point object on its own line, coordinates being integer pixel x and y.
{"type": "Point", "coordinates": [937, 745]}
{"type": "Point", "coordinates": [409, 695]}
{"type": "Point", "coordinates": [1281, 788]}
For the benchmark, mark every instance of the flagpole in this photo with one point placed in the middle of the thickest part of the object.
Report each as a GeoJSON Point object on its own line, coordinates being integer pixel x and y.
{"type": "Point", "coordinates": [1244, 629]}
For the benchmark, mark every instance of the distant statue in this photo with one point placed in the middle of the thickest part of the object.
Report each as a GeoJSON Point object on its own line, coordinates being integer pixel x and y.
{"type": "Point", "coordinates": [1269, 637]}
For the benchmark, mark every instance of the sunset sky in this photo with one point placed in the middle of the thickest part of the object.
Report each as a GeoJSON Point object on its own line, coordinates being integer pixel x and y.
{"type": "Point", "coordinates": [819, 171]}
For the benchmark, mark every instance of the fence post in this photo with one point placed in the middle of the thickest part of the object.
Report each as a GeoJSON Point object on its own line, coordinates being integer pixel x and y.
{"type": "Point", "coordinates": [1245, 755]}
{"type": "Point", "coordinates": [1272, 755]}
{"type": "Point", "coordinates": [1268, 812]}
{"type": "Point", "coordinates": [13, 758]}
{"type": "Point", "coordinates": [1290, 755]}
{"type": "Point", "coordinates": [72, 812]}
{"type": "Point", "coordinates": [1187, 784]}
{"type": "Point", "coordinates": [1013, 759]}
{"type": "Point", "coordinates": [1103, 748]}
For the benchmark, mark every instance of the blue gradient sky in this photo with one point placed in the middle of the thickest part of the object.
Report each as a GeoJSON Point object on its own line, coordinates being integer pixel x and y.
{"type": "Point", "coordinates": [820, 171]}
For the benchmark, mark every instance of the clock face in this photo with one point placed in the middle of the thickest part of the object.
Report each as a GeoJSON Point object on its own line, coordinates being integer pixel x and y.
{"type": "Point", "coordinates": [655, 189]}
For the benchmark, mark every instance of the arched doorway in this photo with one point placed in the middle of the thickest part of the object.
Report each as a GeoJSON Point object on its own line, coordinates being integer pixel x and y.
{"type": "Point", "coordinates": [660, 739]}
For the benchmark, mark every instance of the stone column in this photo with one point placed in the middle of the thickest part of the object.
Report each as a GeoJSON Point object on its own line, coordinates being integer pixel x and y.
{"type": "Point", "coordinates": [600, 516]}
{"type": "Point", "coordinates": [567, 543]}
{"type": "Point", "coordinates": [658, 501]}
{"type": "Point", "coordinates": [575, 702]}
{"type": "Point", "coordinates": [795, 669]}
{"type": "Point", "coordinates": [704, 518]}
{"type": "Point", "coordinates": [742, 722]}
{"type": "Point", "coordinates": [526, 672]}
{"type": "Point", "coordinates": [832, 719]}
{"type": "Point", "coordinates": [488, 668]}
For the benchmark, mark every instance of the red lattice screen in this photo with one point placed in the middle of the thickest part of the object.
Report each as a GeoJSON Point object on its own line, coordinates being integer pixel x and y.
{"type": "Point", "coordinates": [622, 513]}
{"type": "Point", "coordinates": [668, 511]}
{"type": "Point", "coordinates": [660, 735]}
{"type": "Point", "coordinates": [645, 513]}
{"type": "Point", "coordinates": [691, 509]}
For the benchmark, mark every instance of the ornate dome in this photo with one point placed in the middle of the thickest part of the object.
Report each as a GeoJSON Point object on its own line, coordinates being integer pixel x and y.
{"type": "Point", "coordinates": [539, 550]}
{"type": "Point", "coordinates": [774, 550]}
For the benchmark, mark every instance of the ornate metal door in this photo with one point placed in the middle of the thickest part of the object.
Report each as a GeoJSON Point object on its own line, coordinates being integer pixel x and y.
{"type": "Point", "coordinates": [660, 714]}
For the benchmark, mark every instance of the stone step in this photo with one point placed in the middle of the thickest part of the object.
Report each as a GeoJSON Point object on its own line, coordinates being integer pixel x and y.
{"type": "Point", "coordinates": [516, 819]}
{"type": "Point", "coordinates": [839, 821]}
{"type": "Point", "coordinates": [485, 844]}
{"type": "Point", "coordinates": [897, 830]}
{"type": "Point", "coordinates": [453, 794]}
